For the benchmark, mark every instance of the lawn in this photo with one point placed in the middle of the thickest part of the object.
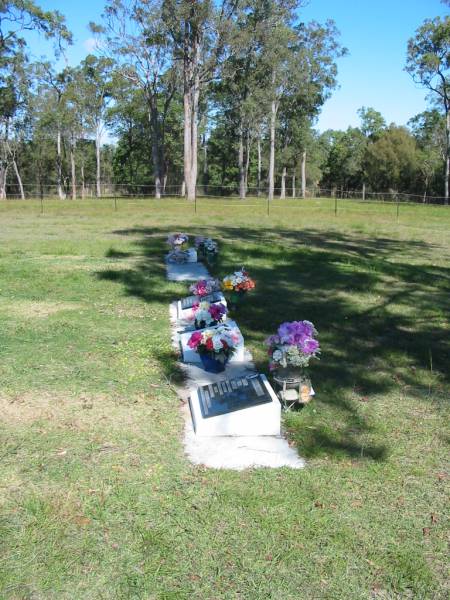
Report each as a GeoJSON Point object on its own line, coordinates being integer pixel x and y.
{"type": "Point", "coordinates": [97, 500]}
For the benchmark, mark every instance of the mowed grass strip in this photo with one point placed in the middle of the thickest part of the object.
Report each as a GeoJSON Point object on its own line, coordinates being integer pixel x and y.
{"type": "Point", "coordinates": [97, 499]}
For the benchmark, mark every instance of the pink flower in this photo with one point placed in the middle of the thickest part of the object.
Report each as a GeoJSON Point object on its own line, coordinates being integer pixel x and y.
{"type": "Point", "coordinates": [195, 340]}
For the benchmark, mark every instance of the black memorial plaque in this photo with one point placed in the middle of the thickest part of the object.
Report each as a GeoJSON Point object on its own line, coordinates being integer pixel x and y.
{"type": "Point", "coordinates": [232, 394]}
{"type": "Point", "coordinates": [191, 300]}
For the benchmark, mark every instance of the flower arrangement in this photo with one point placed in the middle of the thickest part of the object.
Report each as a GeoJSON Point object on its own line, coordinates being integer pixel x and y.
{"type": "Point", "coordinates": [204, 287]}
{"type": "Point", "coordinates": [207, 245]}
{"type": "Point", "coordinates": [215, 346]}
{"type": "Point", "coordinates": [294, 345]}
{"type": "Point", "coordinates": [176, 240]}
{"type": "Point", "coordinates": [207, 314]}
{"type": "Point", "coordinates": [239, 281]}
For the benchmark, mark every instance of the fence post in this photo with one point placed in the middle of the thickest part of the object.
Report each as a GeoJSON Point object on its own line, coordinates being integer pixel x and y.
{"type": "Point", "coordinates": [335, 205]}
{"type": "Point", "coordinates": [115, 201]}
{"type": "Point", "coordinates": [42, 205]}
{"type": "Point", "coordinates": [398, 206]}
{"type": "Point", "coordinates": [268, 205]}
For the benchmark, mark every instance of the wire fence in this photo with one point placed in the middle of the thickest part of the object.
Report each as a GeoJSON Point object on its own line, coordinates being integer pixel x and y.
{"type": "Point", "coordinates": [110, 190]}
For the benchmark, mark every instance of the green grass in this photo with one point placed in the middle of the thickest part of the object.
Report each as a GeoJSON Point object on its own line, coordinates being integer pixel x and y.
{"type": "Point", "coordinates": [97, 500]}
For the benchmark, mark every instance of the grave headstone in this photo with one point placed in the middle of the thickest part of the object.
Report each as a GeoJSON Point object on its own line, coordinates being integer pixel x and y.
{"type": "Point", "coordinates": [185, 305]}
{"type": "Point", "coordinates": [244, 406]}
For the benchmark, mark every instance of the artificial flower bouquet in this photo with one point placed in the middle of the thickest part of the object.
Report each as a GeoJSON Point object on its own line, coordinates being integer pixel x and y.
{"type": "Point", "coordinates": [205, 244]}
{"type": "Point", "coordinates": [205, 287]}
{"type": "Point", "coordinates": [294, 345]}
{"type": "Point", "coordinates": [239, 281]}
{"type": "Point", "coordinates": [237, 285]}
{"type": "Point", "coordinates": [177, 240]}
{"type": "Point", "coordinates": [215, 346]}
{"type": "Point", "coordinates": [207, 314]}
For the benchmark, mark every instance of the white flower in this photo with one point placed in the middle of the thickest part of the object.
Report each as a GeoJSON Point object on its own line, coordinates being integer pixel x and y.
{"type": "Point", "coordinates": [217, 342]}
{"type": "Point", "coordinates": [277, 355]}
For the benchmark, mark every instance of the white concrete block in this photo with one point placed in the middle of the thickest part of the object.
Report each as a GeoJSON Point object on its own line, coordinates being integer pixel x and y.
{"type": "Point", "coordinates": [193, 357]}
{"type": "Point", "coordinates": [260, 419]}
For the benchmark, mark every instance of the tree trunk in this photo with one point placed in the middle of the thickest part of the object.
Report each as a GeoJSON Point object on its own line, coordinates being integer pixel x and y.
{"type": "Point", "coordinates": [98, 179]}
{"type": "Point", "coordinates": [241, 164]}
{"type": "Point", "coordinates": [364, 191]}
{"type": "Point", "coordinates": [258, 184]}
{"type": "Point", "coordinates": [205, 165]}
{"type": "Point", "coordinates": [3, 174]}
{"type": "Point", "coordinates": [247, 160]}
{"type": "Point", "coordinates": [304, 174]}
{"type": "Point", "coordinates": [273, 117]}
{"type": "Point", "coordinates": [447, 156]}
{"type": "Point", "coordinates": [293, 185]}
{"type": "Point", "coordinates": [191, 97]}
{"type": "Point", "coordinates": [83, 190]}
{"type": "Point", "coordinates": [156, 147]}
{"type": "Point", "coordinates": [73, 170]}
{"type": "Point", "coordinates": [59, 182]}
{"type": "Point", "coordinates": [191, 94]}
{"type": "Point", "coordinates": [283, 184]}
{"type": "Point", "coordinates": [19, 179]}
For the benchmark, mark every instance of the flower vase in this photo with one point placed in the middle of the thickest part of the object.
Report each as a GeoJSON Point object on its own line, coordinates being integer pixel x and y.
{"type": "Point", "coordinates": [212, 365]}
{"type": "Point", "coordinates": [203, 325]}
{"type": "Point", "coordinates": [211, 258]}
{"type": "Point", "coordinates": [294, 378]}
{"type": "Point", "coordinates": [235, 298]}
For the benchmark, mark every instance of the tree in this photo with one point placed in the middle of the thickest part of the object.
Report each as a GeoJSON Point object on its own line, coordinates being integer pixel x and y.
{"type": "Point", "coordinates": [93, 98]}
{"type": "Point", "coordinates": [428, 129]}
{"type": "Point", "coordinates": [391, 160]}
{"type": "Point", "coordinates": [372, 126]}
{"type": "Point", "coordinates": [137, 38]}
{"type": "Point", "coordinates": [428, 62]}
{"type": "Point", "coordinates": [200, 31]}
{"type": "Point", "coordinates": [17, 16]}
{"type": "Point", "coordinates": [372, 122]}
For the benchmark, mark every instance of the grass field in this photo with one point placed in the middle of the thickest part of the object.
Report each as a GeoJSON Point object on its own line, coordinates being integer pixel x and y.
{"type": "Point", "coordinates": [97, 500]}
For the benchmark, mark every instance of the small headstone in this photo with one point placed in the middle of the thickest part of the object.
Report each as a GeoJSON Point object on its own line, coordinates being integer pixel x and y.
{"type": "Point", "coordinates": [185, 305]}
{"type": "Point", "coordinates": [245, 406]}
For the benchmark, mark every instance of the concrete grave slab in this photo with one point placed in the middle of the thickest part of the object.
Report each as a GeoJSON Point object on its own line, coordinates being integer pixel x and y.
{"type": "Point", "coordinates": [186, 271]}
{"type": "Point", "coordinates": [243, 406]}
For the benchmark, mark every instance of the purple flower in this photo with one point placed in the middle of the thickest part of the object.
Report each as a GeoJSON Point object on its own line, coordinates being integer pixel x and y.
{"type": "Point", "coordinates": [310, 346]}
{"type": "Point", "coordinates": [217, 311]}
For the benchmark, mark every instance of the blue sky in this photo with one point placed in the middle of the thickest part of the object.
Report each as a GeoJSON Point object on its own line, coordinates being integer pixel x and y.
{"type": "Point", "coordinates": [375, 33]}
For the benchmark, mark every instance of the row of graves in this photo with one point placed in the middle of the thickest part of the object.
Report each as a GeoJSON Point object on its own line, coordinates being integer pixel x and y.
{"type": "Point", "coordinates": [233, 409]}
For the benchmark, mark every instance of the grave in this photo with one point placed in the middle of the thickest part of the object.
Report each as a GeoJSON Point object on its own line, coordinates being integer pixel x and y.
{"type": "Point", "coordinates": [244, 406]}
{"type": "Point", "coordinates": [190, 356]}
{"type": "Point", "coordinates": [185, 305]}
{"type": "Point", "coordinates": [186, 271]}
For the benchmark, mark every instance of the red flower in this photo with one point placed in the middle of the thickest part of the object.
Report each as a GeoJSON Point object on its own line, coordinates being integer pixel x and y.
{"type": "Point", "coordinates": [209, 344]}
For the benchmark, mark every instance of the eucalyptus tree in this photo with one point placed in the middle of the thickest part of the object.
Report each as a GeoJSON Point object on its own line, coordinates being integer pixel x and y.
{"type": "Point", "coordinates": [14, 100]}
{"type": "Point", "coordinates": [242, 90]}
{"type": "Point", "coordinates": [200, 32]}
{"type": "Point", "coordinates": [94, 93]}
{"type": "Point", "coordinates": [134, 34]}
{"type": "Point", "coordinates": [372, 126]}
{"type": "Point", "coordinates": [306, 76]}
{"type": "Point", "coordinates": [428, 129]}
{"type": "Point", "coordinates": [428, 62]}
{"type": "Point", "coordinates": [17, 17]}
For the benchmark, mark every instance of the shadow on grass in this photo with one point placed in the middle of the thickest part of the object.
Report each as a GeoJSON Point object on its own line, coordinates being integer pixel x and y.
{"type": "Point", "coordinates": [382, 319]}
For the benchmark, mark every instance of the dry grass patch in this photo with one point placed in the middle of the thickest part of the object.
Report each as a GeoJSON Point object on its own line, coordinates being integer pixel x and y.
{"type": "Point", "coordinates": [33, 309]}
